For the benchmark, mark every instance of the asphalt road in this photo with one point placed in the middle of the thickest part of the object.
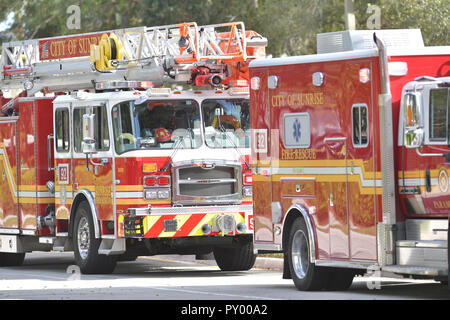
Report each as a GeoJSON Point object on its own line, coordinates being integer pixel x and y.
{"type": "Point", "coordinates": [53, 276]}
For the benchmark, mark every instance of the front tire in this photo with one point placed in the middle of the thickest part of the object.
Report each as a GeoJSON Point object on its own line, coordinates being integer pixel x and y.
{"type": "Point", "coordinates": [306, 275]}
{"type": "Point", "coordinates": [86, 245]}
{"type": "Point", "coordinates": [238, 258]}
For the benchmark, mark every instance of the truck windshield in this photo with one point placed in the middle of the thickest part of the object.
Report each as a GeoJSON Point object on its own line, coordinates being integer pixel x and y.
{"type": "Point", "coordinates": [164, 124]}
{"type": "Point", "coordinates": [227, 123]}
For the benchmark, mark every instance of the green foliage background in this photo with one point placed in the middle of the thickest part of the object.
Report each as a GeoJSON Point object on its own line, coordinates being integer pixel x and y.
{"type": "Point", "coordinates": [289, 25]}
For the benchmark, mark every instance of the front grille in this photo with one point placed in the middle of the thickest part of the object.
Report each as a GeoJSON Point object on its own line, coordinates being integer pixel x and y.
{"type": "Point", "coordinates": [196, 181]}
{"type": "Point", "coordinates": [207, 183]}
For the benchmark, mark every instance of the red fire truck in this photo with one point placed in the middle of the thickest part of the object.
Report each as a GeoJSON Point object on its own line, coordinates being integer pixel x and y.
{"type": "Point", "coordinates": [105, 155]}
{"type": "Point", "coordinates": [350, 149]}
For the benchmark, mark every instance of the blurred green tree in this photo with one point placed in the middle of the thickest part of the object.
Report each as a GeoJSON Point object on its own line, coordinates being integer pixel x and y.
{"type": "Point", "coordinates": [289, 25]}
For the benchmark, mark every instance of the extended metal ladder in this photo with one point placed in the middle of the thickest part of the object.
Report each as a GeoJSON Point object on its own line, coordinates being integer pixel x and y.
{"type": "Point", "coordinates": [162, 54]}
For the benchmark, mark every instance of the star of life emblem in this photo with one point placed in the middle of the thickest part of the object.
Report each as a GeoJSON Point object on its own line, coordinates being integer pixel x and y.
{"type": "Point", "coordinates": [297, 130]}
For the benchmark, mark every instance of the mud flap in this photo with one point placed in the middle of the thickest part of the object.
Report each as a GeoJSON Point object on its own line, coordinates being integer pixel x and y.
{"type": "Point", "coordinates": [112, 246]}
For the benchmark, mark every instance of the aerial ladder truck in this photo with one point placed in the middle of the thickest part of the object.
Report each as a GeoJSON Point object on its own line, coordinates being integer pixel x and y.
{"type": "Point", "coordinates": [128, 142]}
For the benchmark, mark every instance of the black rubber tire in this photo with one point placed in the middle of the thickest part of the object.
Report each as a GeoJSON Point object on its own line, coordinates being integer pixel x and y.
{"type": "Point", "coordinates": [306, 275]}
{"type": "Point", "coordinates": [11, 259]}
{"type": "Point", "coordinates": [238, 258]}
{"type": "Point", "coordinates": [339, 279]}
{"type": "Point", "coordinates": [87, 257]}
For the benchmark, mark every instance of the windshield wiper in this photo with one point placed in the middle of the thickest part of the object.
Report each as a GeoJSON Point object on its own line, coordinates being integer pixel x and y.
{"type": "Point", "coordinates": [174, 152]}
{"type": "Point", "coordinates": [222, 129]}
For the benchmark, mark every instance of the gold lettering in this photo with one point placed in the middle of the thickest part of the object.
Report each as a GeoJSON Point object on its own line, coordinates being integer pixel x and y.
{"type": "Point", "coordinates": [60, 46]}
{"type": "Point", "coordinates": [298, 99]}
{"type": "Point", "coordinates": [52, 49]}
{"type": "Point", "coordinates": [80, 45]}
{"type": "Point", "coordinates": [290, 100]}
{"type": "Point", "coordinates": [298, 154]}
{"type": "Point", "coordinates": [321, 100]}
{"type": "Point", "coordinates": [103, 194]}
{"type": "Point", "coordinates": [277, 100]}
{"type": "Point", "coordinates": [274, 101]}
{"type": "Point", "coordinates": [71, 47]}
{"type": "Point", "coordinates": [441, 204]}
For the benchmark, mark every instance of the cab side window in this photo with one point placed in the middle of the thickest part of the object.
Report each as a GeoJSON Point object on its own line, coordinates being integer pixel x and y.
{"type": "Point", "coordinates": [102, 142]}
{"type": "Point", "coordinates": [360, 120]}
{"type": "Point", "coordinates": [62, 130]}
{"type": "Point", "coordinates": [439, 109]}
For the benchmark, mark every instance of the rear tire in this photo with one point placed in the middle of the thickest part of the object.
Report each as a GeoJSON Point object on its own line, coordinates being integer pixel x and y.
{"type": "Point", "coordinates": [306, 275]}
{"type": "Point", "coordinates": [86, 245]}
{"type": "Point", "coordinates": [11, 259]}
{"type": "Point", "coordinates": [236, 258]}
{"type": "Point", "coordinates": [339, 279]}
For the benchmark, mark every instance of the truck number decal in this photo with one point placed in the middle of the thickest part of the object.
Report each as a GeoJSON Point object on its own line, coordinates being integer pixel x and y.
{"type": "Point", "coordinates": [260, 137]}
{"type": "Point", "coordinates": [63, 173]}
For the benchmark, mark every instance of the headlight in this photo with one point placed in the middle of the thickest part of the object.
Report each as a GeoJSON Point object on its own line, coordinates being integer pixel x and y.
{"type": "Point", "coordinates": [157, 193]}
{"type": "Point", "coordinates": [151, 194]}
{"type": "Point", "coordinates": [163, 194]}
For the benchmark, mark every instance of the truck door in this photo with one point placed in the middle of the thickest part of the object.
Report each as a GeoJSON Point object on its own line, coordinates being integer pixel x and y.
{"type": "Point", "coordinates": [34, 171]}
{"type": "Point", "coordinates": [338, 199]}
{"type": "Point", "coordinates": [93, 173]}
{"type": "Point", "coordinates": [361, 163]}
{"type": "Point", "coordinates": [352, 189]}
{"type": "Point", "coordinates": [63, 163]}
{"type": "Point", "coordinates": [9, 217]}
{"type": "Point", "coordinates": [435, 159]}
{"type": "Point", "coordinates": [261, 161]}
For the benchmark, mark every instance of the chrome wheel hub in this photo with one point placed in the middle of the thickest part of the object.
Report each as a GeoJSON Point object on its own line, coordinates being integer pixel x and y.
{"type": "Point", "coordinates": [299, 253]}
{"type": "Point", "coordinates": [83, 237]}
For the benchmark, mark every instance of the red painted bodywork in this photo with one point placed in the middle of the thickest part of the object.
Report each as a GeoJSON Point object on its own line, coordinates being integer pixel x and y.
{"type": "Point", "coordinates": [338, 183]}
{"type": "Point", "coordinates": [434, 66]}
{"type": "Point", "coordinates": [25, 167]}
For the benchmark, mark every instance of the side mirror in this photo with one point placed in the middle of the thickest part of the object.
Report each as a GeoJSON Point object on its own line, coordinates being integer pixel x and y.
{"type": "Point", "coordinates": [414, 138]}
{"type": "Point", "coordinates": [88, 143]}
{"type": "Point", "coordinates": [413, 133]}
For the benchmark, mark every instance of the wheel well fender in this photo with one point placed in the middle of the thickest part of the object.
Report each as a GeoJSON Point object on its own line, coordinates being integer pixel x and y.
{"type": "Point", "coordinates": [294, 212]}
{"type": "Point", "coordinates": [84, 195]}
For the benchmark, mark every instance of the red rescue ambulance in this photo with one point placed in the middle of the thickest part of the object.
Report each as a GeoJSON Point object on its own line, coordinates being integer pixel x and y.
{"type": "Point", "coordinates": [98, 157]}
{"type": "Point", "coordinates": [350, 149]}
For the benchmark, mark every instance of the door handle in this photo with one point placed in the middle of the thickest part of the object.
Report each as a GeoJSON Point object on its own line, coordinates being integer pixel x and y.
{"type": "Point", "coordinates": [49, 152]}
{"type": "Point", "coordinates": [428, 180]}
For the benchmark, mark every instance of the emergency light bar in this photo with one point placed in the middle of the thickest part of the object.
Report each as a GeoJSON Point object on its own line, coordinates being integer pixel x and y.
{"type": "Point", "coordinates": [158, 92]}
{"type": "Point", "coordinates": [239, 91]}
